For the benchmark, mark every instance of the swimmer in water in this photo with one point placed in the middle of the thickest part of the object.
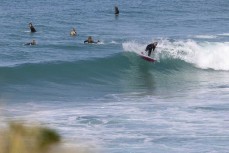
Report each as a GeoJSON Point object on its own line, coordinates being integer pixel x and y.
{"type": "Point", "coordinates": [32, 27]}
{"type": "Point", "coordinates": [73, 32]}
{"type": "Point", "coordinates": [31, 43]}
{"type": "Point", "coordinates": [116, 10]}
{"type": "Point", "coordinates": [90, 40]}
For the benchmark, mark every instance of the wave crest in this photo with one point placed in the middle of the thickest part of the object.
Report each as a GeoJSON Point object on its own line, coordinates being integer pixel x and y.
{"type": "Point", "coordinates": [204, 55]}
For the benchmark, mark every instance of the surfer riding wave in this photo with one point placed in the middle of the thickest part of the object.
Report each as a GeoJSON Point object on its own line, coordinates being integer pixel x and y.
{"type": "Point", "coordinates": [151, 47]}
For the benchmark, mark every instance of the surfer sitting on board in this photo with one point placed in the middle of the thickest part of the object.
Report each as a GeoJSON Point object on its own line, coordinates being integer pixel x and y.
{"type": "Point", "coordinates": [73, 32]}
{"type": "Point", "coordinates": [32, 27]}
{"type": "Point", "coordinates": [151, 47]}
{"type": "Point", "coordinates": [90, 40]}
{"type": "Point", "coordinates": [116, 10]}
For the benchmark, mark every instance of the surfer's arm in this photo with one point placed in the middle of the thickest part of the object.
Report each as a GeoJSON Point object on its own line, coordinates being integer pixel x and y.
{"type": "Point", "coordinates": [85, 41]}
{"type": "Point", "coordinates": [27, 44]}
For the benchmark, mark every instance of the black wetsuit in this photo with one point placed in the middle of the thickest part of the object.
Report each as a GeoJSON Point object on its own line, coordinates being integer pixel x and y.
{"type": "Point", "coordinates": [31, 43]}
{"type": "Point", "coordinates": [86, 41]}
{"type": "Point", "coordinates": [150, 47]}
{"type": "Point", "coordinates": [116, 11]}
{"type": "Point", "coordinates": [32, 29]}
{"type": "Point", "coordinates": [91, 42]}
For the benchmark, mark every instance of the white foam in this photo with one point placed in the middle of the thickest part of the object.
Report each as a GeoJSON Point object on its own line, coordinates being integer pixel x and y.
{"type": "Point", "coordinates": [113, 42]}
{"type": "Point", "coordinates": [27, 31]}
{"type": "Point", "coordinates": [204, 55]}
{"type": "Point", "coordinates": [133, 46]}
{"type": "Point", "coordinates": [101, 42]}
{"type": "Point", "coordinates": [224, 34]}
{"type": "Point", "coordinates": [205, 36]}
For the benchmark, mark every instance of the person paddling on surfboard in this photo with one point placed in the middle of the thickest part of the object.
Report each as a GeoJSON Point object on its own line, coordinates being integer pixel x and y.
{"type": "Point", "coordinates": [31, 43]}
{"type": "Point", "coordinates": [32, 27]}
{"type": "Point", "coordinates": [90, 40]}
{"type": "Point", "coordinates": [151, 47]}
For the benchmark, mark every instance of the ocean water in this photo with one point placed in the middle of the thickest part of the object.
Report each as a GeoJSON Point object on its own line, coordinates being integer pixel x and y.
{"type": "Point", "coordinates": [103, 96]}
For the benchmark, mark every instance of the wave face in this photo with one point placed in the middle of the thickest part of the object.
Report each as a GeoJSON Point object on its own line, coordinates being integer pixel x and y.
{"type": "Point", "coordinates": [94, 70]}
{"type": "Point", "coordinates": [178, 55]}
{"type": "Point", "coordinates": [203, 55]}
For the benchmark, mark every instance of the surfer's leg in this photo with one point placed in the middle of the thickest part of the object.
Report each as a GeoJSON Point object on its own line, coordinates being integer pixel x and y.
{"type": "Point", "coordinates": [149, 52]}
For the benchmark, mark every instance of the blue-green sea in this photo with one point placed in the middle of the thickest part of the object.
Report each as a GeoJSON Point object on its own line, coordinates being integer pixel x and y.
{"type": "Point", "coordinates": [104, 96]}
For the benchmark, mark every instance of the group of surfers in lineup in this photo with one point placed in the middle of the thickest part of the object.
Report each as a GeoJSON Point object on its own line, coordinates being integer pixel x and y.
{"type": "Point", "coordinates": [149, 48]}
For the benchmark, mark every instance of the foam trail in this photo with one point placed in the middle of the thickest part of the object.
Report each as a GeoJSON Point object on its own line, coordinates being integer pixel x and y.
{"type": "Point", "coordinates": [205, 36]}
{"type": "Point", "coordinates": [113, 42]}
{"type": "Point", "coordinates": [101, 42]}
{"type": "Point", "coordinates": [204, 55]}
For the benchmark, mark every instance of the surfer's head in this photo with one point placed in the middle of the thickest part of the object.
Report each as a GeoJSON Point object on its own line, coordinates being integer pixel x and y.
{"type": "Point", "coordinates": [33, 42]}
{"type": "Point", "coordinates": [89, 39]}
{"type": "Point", "coordinates": [30, 24]}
